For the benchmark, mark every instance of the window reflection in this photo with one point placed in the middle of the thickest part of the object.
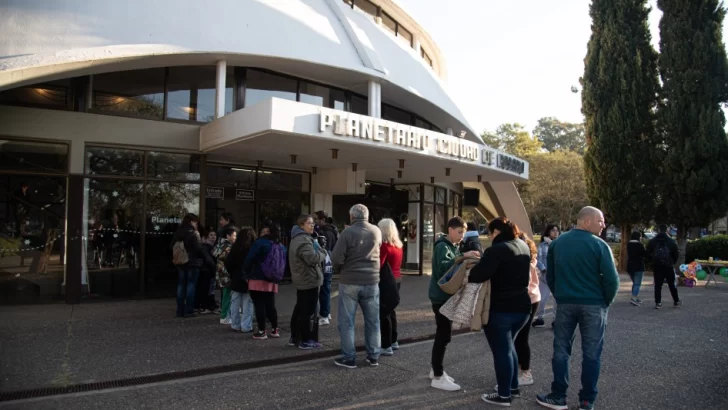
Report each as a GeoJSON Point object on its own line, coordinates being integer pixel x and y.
{"type": "Point", "coordinates": [391, 113]}
{"type": "Point", "coordinates": [359, 105]}
{"type": "Point", "coordinates": [114, 161]}
{"type": "Point", "coordinates": [19, 155]}
{"type": "Point", "coordinates": [191, 93]}
{"type": "Point", "coordinates": [165, 165]}
{"type": "Point", "coordinates": [136, 92]}
{"type": "Point", "coordinates": [261, 86]}
{"type": "Point", "coordinates": [52, 95]}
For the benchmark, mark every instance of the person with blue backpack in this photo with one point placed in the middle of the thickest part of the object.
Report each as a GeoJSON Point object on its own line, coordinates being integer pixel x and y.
{"type": "Point", "coordinates": [263, 269]}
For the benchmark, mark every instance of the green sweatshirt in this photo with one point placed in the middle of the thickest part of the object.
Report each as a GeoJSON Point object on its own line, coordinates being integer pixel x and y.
{"type": "Point", "coordinates": [443, 257]}
{"type": "Point", "coordinates": [580, 269]}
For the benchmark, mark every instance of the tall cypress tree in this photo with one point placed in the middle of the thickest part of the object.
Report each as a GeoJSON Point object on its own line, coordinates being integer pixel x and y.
{"type": "Point", "coordinates": [619, 99]}
{"type": "Point", "coordinates": [694, 73]}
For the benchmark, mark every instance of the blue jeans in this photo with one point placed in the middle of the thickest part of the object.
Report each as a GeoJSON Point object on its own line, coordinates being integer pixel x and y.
{"type": "Point", "coordinates": [186, 284]}
{"type": "Point", "coordinates": [592, 322]}
{"type": "Point", "coordinates": [325, 296]}
{"type": "Point", "coordinates": [636, 282]}
{"type": "Point", "coordinates": [543, 288]}
{"type": "Point", "coordinates": [241, 301]}
{"type": "Point", "coordinates": [367, 297]}
{"type": "Point", "coordinates": [500, 332]}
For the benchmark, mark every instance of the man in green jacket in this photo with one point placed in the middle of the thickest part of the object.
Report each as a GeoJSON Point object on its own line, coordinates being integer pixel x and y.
{"type": "Point", "coordinates": [582, 277]}
{"type": "Point", "coordinates": [443, 258]}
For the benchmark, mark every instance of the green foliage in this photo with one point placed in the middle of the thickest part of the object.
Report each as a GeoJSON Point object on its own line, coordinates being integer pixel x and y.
{"type": "Point", "coordinates": [560, 136]}
{"type": "Point", "coordinates": [513, 139]}
{"type": "Point", "coordinates": [712, 246]}
{"type": "Point", "coordinates": [694, 73]}
{"type": "Point", "coordinates": [619, 98]}
{"type": "Point", "coordinates": [9, 246]}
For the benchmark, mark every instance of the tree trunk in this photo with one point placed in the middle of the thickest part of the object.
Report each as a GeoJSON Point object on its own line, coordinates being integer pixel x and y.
{"type": "Point", "coordinates": [682, 243]}
{"type": "Point", "coordinates": [626, 232]}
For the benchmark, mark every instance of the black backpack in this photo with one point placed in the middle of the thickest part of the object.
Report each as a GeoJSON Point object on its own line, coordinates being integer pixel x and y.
{"type": "Point", "coordinates": [661, 256]}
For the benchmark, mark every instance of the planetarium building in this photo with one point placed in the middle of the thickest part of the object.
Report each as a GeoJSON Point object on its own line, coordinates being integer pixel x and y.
{"type": "Point", "coordinates": [118, 118]}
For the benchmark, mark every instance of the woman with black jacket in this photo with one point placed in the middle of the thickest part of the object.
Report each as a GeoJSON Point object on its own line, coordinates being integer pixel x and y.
{"type": "Point", "coordinates": [507, 264]}
{"type": "Point", "coordinates": [636, 255]}
{"type": "Point", "coordinates": [241, 305]}
{"type": "Point", "coordinates": [189, 272]}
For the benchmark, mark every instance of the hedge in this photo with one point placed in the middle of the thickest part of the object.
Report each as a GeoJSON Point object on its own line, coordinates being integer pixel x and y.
{"type": "Point", "coordinates": [715, 246]}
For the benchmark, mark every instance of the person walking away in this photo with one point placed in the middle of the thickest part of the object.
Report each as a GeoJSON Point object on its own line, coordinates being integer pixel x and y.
{"type": "Point", "coordinates": [390, 253]}
{"type": "Point", "coordinates": [507, 265]}
{"type": "Point", "coordinates": [356, 259]}
{"type": "Point", "coordinates": [241, 305]}
{"type": "Point", "coordinates": [326, 228]}
{"type": "Point", "coordinates": [443, 258]}
{"type": "Point", "coordinates": [222, 277]}
{"type": "Point", "coordinates": [584, 281]}
{"type": "Point", "coordinates": [305, 257]}
{"type": "Point", "coordinates": [266, 251]}
{"type": "Point", "coordinates": [471, 240]}
{"type": "Point", "coordinates": [523, 349]}
{"type": "Point", "coordinates": [226, 221]}
{"type": "Point", "coordinates": [636, 255]}
{"type": "Point", "coordinates": [188, 256]}
{"type": "Point", "coordinates": [664, 253]}
{"type": "Point", "coordinates": [205, 290]}
{"type": "Point", "coordinates": [549, 234]}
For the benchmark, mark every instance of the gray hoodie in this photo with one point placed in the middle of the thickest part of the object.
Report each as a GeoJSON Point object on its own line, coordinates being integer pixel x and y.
{"type": "Point", "coordinates": [305, 258]}
{"type": "Point", "coordinates": [356, 254]}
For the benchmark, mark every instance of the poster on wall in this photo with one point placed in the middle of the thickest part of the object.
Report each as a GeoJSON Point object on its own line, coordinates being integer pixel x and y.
{"type": "Point", "coordinates": [244, 195]}
{"type": "Point", "coordinates": [214, 193]}
{"type": "Point", "coordinates": [413, 233]}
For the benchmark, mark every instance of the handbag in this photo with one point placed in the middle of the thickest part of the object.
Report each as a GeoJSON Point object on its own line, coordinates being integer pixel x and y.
{"type": "Point", "coordinates": [454, 278]}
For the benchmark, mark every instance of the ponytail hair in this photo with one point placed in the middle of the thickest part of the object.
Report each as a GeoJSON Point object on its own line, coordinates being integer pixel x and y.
{"type": "Point", "coordinates": [508, 230]}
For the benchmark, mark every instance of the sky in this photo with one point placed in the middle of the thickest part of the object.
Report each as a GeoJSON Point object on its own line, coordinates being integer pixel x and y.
{"type": "Point", "coordinates": [512, 61]}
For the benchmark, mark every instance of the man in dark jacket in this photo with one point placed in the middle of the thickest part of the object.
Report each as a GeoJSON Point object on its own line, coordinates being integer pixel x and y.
{"type": "Point", "coordinates": [664, 253]}
{"type": "Point", "coordinates": [226, 221]}
{"type": "Point", "coordinates": [471, 240]}
{"type": "Point", "coordinates": [188, 273]}
{"type": "Point", "coordinates": [326, 228]}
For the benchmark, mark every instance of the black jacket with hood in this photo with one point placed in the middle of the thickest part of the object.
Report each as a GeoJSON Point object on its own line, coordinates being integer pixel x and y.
{"type": "Point", "coordinates": [195, 252]}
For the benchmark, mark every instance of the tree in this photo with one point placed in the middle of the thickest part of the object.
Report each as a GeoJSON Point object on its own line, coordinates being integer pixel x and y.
{"type": "Point", "coordinates": [512, 139]}
{"type": "Point", "coordinates": [619, 100]}
{"type": "Point", "coordinates": [557, 135]}
{"type": "Point", "coordinates": [694, 72]}
{"type": "Point", "coordinates": [556, 189]}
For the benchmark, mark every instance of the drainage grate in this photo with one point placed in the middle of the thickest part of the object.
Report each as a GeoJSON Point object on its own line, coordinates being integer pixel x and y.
{"type": "Point", "coordinates": [186, 374]}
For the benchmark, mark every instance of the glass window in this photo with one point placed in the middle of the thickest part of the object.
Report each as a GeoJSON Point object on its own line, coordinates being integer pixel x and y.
{"type": "Point", "coordinates": [395, 114]}
{"type": "Point", "coordinates": [33, 156]}
{"type": "Point", "coordinates": [167, 204]}
{"type": "Point", "coordinates": [261, 86]}
{"type": "Point", "coordinates": [420, 123]}
{"type": "Point", "coordinates": [359, 105]}
{"type": "Point", "coordinates": [389, 23]}
{"type": "Point", "coordinates": [315, 94]}
{"type": "Point", "coordinates": [339, 99]}
{"type": "Point", "coordinates": [114, 212]}
{"type": "Point", "coordinates": [32, 222]}
{"type": "Point", "coordinates": [428, 233]}
{"type": "Point", "coordinates": [114, 161]}
{"type": "Point", "coordinates": [427, 58]}
{"type": "Point", "coordinates": [441, 194]}
{"type": "Point", "coordinates": [139, 92]}
{"type": "Point", "coordinates": [191, 93]}
{"type": "Point", "coordinates": [280, 181]}
{"type": "Point", "coordinates": [367, 7]}
{"type": "Point", "coordinates": [220, 195]}
{"type": "Point", "coordinates": [440, 221]}
{"type": "Point", "coordinates": [414, 192]}
{"type": "Point", "coordinates": [167, 165]}
{"type": "Point", "coordinates": [53, 95]}
{"type": "Point", "coordinates": [404, 35]}
{"type": "Point", "coordinates": [429, 193]}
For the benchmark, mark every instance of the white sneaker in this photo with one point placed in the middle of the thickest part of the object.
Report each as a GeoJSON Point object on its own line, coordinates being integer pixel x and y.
{"type": "Point", "coordinates": [324, 321]}
{"type": "Point", "coordinates": [444, 383]}
{"type": "Point", "coordinates": [226, 321]}
{"type": "Point", "coordinates": [525, 379]}
{"type": "Point", "coordinates": [445, 375]}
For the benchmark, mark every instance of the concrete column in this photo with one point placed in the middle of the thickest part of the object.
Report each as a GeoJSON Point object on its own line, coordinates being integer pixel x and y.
{"type": "Point", "coordinates": [375, 99]}
{"type": "Point", "coordinates": [220, 88]}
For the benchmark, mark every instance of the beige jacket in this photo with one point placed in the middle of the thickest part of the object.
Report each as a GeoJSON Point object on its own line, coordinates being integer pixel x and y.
{"type": "Point", "coordinates": [482, 308]}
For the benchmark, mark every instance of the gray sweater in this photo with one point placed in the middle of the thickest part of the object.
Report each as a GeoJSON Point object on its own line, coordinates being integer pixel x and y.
{"type": "Point", "coordinates": [356, 254]}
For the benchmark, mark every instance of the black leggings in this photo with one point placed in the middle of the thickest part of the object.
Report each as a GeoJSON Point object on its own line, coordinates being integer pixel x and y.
{"type": "Point", "coordinates": [388, 325]}
{"type": "Point", "coordinates": [304, 324]}
{"type": "Point", "coordinates": [523, 350]}
{"type": "Point", "coordinates": [265, 307]}
{"type": "Point", "coordinates": [662, 275]}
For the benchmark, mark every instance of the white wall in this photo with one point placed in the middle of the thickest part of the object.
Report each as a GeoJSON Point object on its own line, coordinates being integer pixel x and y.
{"type": "Point", "coordinates": [81, 128]}
{"type": "Point", "coordinates": [42, 39]}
